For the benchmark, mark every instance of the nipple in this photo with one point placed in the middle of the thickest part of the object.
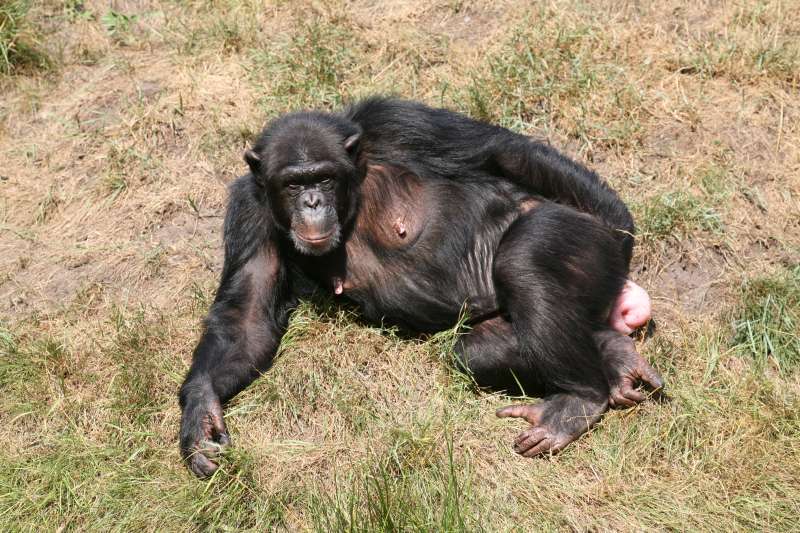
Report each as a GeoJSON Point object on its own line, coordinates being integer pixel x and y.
{"type": "Point", "coordinates": [400, 227]}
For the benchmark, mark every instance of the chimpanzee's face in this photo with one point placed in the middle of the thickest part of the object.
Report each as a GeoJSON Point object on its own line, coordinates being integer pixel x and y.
{"type": "Point", "coordinates": [307, 201]}
{"type": "Point", "coordinates": [308, 170]}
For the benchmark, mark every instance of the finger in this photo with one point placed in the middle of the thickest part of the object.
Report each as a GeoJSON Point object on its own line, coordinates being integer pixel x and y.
{"type": "Point", "coordinates": [201, 466]}
{"type": "Point", "coordinates": [633, 395]}
{"type": "Point", "coordinates": [650, 377]}
{"type": "Point", "coordinates": [618, 399]}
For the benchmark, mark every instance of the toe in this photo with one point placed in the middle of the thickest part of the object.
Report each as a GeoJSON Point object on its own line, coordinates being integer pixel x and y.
{"type": "Point", "coordinates": [224, 439]}
{"type": "Point", "coordinates": [512, 411]}
{"type": "Point", "coordinates": [542, 447]}
{"type": "Point", "coordinates": [529, 439]}
{"type": "Point", "coordinates": [531, 413]}
{"type": "Point", "coordinates": [212, 448]}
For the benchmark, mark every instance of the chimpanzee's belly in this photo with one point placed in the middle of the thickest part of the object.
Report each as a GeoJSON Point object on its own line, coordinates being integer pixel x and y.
{"type": "Point", "coordinates": [418, 293]}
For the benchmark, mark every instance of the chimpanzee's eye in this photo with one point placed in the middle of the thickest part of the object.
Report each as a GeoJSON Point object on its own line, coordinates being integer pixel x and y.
{"type": "Point", "coordinates": [293, 187]}
{"type": "Point", "coordinates": [326, 181]}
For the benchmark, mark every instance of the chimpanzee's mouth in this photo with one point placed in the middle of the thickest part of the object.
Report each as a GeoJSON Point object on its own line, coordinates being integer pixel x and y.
{"type": "Point", "coordinates": [315, 239]}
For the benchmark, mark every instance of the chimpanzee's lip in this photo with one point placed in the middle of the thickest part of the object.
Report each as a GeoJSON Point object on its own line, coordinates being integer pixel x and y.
{"type": "Point", "coordinates": [315, 240]}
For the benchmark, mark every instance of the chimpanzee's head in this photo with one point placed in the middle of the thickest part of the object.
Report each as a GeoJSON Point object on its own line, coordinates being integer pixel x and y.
{"type": "Point", "coordinates": [306, 164]}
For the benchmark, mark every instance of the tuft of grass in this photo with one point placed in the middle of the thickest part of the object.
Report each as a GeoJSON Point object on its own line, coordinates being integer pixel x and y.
{"type": "Point", "coordinates": [20, 45]}
{"type": "Point", "coordinates": [748, 46]}
{"type": "Point", "coordinates": [767, 322]}
{"type": "Point", "coordinates": [552, 74]}
{"type": "Point", "coordinates": [139, 390]}
{"type": "Point", "coordinates": [392, 494]}
{"type": "Point", "coordinates": [33, 370]}
{"type": "Point", "coordinates": [74, 482]}
{"type": "Point", "coordinates": [674, 214]}
{"type": "Point", "coordinates": [76, 10]}
{"type": "Point", "coordinates": [47, 206]}
{"type": "Point", "coordinates": [716, 183]}
{"type": "Point", "coordinates": [117, 24]}
{"type": "Point", "coordinates": [124, 168]}
{"type": "Point", "coordinates": [218, 143]}
{"type": "Point", "coordinates": [307, 69]}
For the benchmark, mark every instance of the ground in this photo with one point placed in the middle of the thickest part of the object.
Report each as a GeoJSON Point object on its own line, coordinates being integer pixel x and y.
{"type": "Point", "coordinates": [121, 124]}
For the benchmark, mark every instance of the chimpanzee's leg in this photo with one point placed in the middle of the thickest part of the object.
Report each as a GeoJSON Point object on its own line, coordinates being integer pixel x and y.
{"type": "Point", "coordinates": [489, 353]}
{"type": "Point", "coordinates": [543, 170]}
{"type": "Point", "coordinates": [557, 271]}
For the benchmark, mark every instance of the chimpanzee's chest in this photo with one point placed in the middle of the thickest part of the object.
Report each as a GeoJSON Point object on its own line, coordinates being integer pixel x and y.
{"type": "Point", "coordinates": [415, 256]}
{"type": "Point", "coordinates": [410, 285]}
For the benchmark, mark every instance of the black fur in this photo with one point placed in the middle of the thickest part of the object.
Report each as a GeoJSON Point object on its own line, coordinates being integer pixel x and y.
{"type": "Point", "coordinates": [538, 277]}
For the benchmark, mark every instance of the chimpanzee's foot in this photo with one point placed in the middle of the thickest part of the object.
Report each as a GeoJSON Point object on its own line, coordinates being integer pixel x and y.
{"type": "Point", "coordinates": [203, 435]}
{"type": "Point", "coordinates": [632, 309]}
{"type": "Point", "coordinates": [556, 421]}
{"type": "Point", "coordinates": [625, 369]}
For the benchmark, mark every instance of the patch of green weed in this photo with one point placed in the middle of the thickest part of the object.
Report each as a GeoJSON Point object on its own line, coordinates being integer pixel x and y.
{"type": "Point", "coordinates": [674, 214]}
{"type": "Point", "coordinates": [392, 496]}
{"type": "Point", "coordinates": [20, 46]}
{"type": "Point", "coordinates": [767, 323]}
{"type": "Point", "coordinates": [551, 74]}
{"type": "Point", "coordinates": [307, 69]}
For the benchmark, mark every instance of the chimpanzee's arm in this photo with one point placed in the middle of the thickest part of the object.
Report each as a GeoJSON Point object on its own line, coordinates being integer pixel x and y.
{"type": "Point", "coordinates": [243, 328]}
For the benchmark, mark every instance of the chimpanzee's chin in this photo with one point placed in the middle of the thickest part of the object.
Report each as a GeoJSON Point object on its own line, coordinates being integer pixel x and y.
{"type": "Point", "coordinates": [316, 247]}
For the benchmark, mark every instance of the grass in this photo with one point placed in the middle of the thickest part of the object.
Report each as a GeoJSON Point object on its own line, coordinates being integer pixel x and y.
{"type": "Point", "coordinates": [675, 214]}
{"type": "Point", "coordinates": [754, 46]}
{"type": "Point", "coordinates": [20, 46]}
{"type": "Point", "coordinates": [116, 158]}
{"type": "Point", "coordinates": [308, 68]}
{"type": "Point", "coordinates": [386, 498]}
{"type": "Point", "coordinates": [546, 76]}
{"type": "Point", "coordinates": [766, 326]}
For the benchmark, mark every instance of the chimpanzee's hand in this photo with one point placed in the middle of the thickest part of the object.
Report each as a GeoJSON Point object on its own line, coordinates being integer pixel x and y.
{"type": "Point", "coordinates": [203, 434]}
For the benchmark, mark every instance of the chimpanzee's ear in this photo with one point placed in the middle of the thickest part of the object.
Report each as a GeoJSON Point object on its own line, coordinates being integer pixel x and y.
{"type": "Point", "coordinates": [351, 143]}
{"type": "Point", "coordinates": [253, 160]}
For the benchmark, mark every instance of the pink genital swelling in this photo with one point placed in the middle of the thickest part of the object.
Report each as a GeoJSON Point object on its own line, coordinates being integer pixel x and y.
{"type": "Point", "coordinates": [631, 310]}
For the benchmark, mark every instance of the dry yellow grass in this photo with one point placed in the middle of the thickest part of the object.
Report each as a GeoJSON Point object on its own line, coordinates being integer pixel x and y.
{"type": "Point", "coordinates": [114, 158]}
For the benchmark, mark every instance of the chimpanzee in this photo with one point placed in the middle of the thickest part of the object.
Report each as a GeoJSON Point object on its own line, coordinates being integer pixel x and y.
{"type": "Point", "coordinates": [416, 214]}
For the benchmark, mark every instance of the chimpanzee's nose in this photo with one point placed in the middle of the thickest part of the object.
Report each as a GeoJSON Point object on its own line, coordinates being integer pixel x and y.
{"type": "Point", "coordinates": [312, 200]}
